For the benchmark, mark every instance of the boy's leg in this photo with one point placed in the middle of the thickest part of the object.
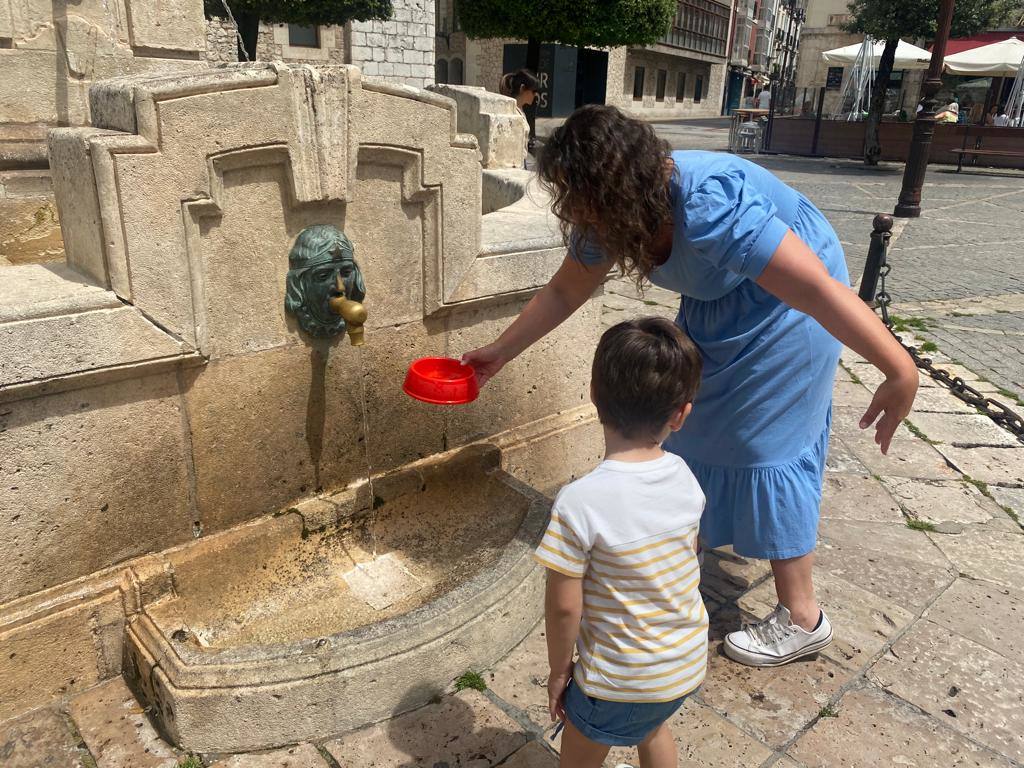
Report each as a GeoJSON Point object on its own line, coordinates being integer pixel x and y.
{"type": "Point", "coordinates": [658, 750]}
{"type": "Point", "coordinates": [580, 752]}
{"type": "Point", "coordinates": [795, 589]}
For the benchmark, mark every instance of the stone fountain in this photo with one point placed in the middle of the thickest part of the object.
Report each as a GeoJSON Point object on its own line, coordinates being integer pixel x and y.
{"type": "Point", "coordinates": [212, 482]}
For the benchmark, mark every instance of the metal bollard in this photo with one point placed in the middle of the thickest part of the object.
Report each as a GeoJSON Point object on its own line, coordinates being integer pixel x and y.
{"type": "Point", "coordinates": [876, 260]}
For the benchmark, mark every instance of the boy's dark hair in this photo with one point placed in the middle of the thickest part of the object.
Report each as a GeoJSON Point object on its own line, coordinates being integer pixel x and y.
{"type": "Point", "coordinates": [644, 371]}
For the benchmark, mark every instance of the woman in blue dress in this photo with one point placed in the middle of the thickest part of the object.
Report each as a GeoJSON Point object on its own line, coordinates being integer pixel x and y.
{"type": "Point", "coordinates": [765, 296]}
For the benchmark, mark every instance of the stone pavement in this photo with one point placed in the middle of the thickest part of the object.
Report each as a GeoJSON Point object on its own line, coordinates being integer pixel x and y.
{"type": "Point", "coordinates": [920, 567]}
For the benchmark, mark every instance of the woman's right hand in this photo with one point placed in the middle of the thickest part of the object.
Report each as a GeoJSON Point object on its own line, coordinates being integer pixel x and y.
{"type": "Point", "coordinates": [486, 361]}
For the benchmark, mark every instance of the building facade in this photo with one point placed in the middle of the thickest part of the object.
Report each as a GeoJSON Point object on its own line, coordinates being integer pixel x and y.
{"type": "Point", "coordinates": [824, 32]}
{"type": "Point", "coordinates": [682, 75]}
{"type": "Point", "coordinates": [766, 40]}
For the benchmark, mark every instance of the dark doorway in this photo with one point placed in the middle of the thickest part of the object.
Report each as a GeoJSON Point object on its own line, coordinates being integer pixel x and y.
{"type": "Point", "coordinates": [591, 77]}
{"type": "Point", "coordinates": [569, 77]}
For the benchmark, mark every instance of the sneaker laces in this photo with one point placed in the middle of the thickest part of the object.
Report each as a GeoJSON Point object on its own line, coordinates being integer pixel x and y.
{"type": "Point", "coordinates": [768, 631]}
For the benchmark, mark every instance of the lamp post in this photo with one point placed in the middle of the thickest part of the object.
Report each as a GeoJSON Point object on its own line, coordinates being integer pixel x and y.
{"type": "Point", "coordinates": [909, 205]}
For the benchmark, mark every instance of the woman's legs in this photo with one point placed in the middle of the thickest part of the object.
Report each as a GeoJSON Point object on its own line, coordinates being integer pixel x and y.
{"type": "Point", "coordinates": [577, 751]}
{"type": "Point", "coordinates": [658, 750]}
{"type": "Point", "coordinates": [795, 589]}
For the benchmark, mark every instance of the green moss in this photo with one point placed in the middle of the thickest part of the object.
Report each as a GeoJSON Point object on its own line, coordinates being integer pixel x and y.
{"type": "Point", "coordinates": [929, 346]}
{"type": "Point", "coordinates": [904, 324]}
{"type": "Point", "coordinates": [918, 433]}
{"type": "Point", "coordinates": [853, 376]}
{"type": "Point", "coordinates": [828, 711]}
{"type": "Point", "coordinates": [919, 525]}
{"type": "Point", "coordinates": [192, 761]}
{"type": "Point", "coordinates": [470, 679]}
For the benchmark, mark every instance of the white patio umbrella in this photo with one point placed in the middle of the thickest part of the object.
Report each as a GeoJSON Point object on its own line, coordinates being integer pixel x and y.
{"type": "Point", "coordinates": [907, 56]}
{"type": "Point", "coordinates": [1002, 59]}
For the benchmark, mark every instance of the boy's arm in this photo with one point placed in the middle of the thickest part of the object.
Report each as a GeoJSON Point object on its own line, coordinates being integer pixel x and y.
{"type": "Point", "coordinates": [563, 609]}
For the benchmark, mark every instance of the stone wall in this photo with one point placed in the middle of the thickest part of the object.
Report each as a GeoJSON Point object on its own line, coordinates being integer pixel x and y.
{"type": "Point", "coordinates": [52, 50]}
{"type": "Point", "coordinates": [155, 390]}
{"type": "Point", "coordinates": [400, 50]}
{"type": "Point", "coordinates": [811, 69]}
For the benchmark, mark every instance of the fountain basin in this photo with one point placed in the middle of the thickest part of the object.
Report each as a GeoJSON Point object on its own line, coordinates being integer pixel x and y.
{"type": "Point", "coordinates": [288, 628]}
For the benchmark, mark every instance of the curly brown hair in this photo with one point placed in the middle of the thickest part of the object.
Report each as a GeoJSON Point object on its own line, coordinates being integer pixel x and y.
{"type": "Point", "coordinates": [608, 179]}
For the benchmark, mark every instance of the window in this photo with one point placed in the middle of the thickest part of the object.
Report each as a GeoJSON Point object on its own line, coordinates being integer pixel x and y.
{"type": "Point", "coordinates": [441, 71]}
{"type": "Point", "coordinates": [300, 36]}
{"type": "Point", "coordinates": [698, 89]}
{"type": "Point", "coordinates": [455, 72]}
{"type": "Point", "coordinates": [700, 25]}
{"type": "Point", "coordinates": [680, 87]}
{"type": "Point", "coordinates": [638, 84]}
{"type": "Point", "coordinates": [659, 93]}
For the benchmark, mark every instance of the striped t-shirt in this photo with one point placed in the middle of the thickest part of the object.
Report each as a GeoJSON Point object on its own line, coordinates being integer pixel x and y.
{"type": "Point", "coordinates": [629, 530]}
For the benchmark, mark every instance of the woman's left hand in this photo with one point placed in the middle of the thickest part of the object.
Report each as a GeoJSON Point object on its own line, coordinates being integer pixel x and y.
{"type": "Point", "coordinates": [893, 399]}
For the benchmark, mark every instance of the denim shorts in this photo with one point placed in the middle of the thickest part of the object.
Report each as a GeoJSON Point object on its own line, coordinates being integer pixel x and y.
{"type": "Point", "coordinates": [616, 723]}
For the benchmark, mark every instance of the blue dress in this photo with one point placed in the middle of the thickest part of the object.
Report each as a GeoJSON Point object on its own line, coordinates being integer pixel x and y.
{"type": "Point", "coordinates": [757, 438]}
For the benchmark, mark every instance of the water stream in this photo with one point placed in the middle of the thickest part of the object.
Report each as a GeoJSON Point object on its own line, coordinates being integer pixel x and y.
{"type": "Point", "coordinates": [366, 451]}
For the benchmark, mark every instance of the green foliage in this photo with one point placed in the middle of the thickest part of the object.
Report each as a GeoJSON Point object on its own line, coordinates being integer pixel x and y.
{"type": "Point", "coordinates": [470, 679]}
{"type": "Point", "coordinates": [828, 711]}
{"type": "Point", "coordinates": [919, 525]}
{"type": "Point", "coordinates": [190, 762]}
{"type": "Point", "coordinates": [597, 23]}
{"type": "Point", "coordinates": [309, 12]}
{"type": "Point", "coordinates": [929, 346]}
{"type": "Point", "coordinates": [913, 20]}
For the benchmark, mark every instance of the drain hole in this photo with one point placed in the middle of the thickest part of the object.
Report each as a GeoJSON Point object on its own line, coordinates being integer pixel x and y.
{"type": "Point", "coordinates": [181, 635]}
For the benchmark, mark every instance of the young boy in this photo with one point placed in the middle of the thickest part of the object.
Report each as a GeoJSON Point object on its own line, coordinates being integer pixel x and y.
{"type": "Point", "coordinates": [622, 567]}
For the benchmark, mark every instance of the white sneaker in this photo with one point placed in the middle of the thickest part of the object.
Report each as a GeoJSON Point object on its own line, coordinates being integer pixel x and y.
{"type": "Point", "coordinates": [776, 640]}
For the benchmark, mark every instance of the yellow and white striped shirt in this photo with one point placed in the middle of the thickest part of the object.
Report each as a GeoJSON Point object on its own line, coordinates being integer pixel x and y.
{"type": "Point", "coordinates": [629, 530]}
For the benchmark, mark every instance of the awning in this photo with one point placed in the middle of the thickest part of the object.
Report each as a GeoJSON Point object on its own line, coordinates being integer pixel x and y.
{"type": "Point", "coordinates": [907, 56]}
{"type": "Point", "coordinates": [1000, 59]}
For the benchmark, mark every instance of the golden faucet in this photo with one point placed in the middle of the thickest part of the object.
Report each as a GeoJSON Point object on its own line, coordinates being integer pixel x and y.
{"type": "Point", "coordinates": [352, 312]}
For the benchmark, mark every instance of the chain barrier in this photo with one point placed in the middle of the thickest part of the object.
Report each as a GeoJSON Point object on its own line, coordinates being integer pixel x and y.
{"type": "Point", "coordinates": [995, 410]}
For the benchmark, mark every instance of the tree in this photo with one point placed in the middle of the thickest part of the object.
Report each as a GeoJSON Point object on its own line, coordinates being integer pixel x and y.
{"type": "Point", "coordinates": [891, 20]}
{"type": "Point", "coordinates": [597, 23]}
{"type": "Point", "coordinates": [249, 13]}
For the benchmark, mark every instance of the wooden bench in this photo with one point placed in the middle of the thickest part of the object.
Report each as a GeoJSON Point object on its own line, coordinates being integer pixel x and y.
{"type": "Point", "coordinates": [978, 151]}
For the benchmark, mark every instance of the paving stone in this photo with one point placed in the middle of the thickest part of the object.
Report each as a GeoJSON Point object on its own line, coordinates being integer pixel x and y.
{"type": "Point", "coordinates": [520, 679]}
{"type": "Point", "coordinates": [40, 738]}
{"type": "Point", "coordinates": [938, 400]}
{"type": "Point", "coordinates": [989, 555]}
{"type": "Point", "coordinates": [875, 729]}
{"type": "Point", "coordinates": [942, 501]}
{"type": "Point", "coordinates": [989, 614]}
{"type": "Point", "coordinates": [908, 456]}
{"type": "Point", "coordinates": [772, 704]}
{"type": "Point", "coordinates": [846, 393]}
{"type": "Point", "coordinates": [742, 571]}
{"type": "Point", "coordinates": [1009, 497]}
{"type": "Point", "coordinates": [726, 575]}
{"type": "Point", "coordinates": [963, 429]}
{"type": "Point", "coordinates": [533, 755]}
{"type": "Point", "coordinates": [300, 756]}
{"type": "Point", "coordinates": [965, 685]}
{"type": "Point", "coordinates": [705, 738]}
{"type": "Point", "coordinates": [858, 497]}
{"type": "Point", "coordinates": [891, 561]}
{"type": "Point", "coordinates": [465, 729]}
{"type": "Point", "coordinates": [116, 729]}
{"type": "Point", "coordinates": [1004, 466]}
{"type": "Point", "coordinates": [840, 459]}
{"type": "Point", "coordinates": [863, 621]}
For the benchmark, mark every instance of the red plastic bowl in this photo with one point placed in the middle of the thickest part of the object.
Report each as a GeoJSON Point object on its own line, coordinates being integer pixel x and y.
{"type": "Point", "coordinates": [441, 381]}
